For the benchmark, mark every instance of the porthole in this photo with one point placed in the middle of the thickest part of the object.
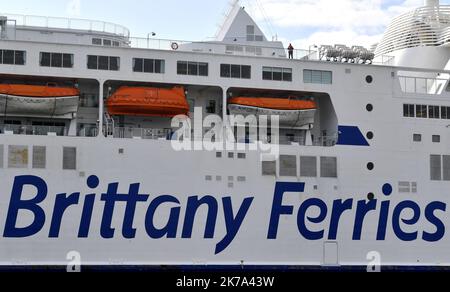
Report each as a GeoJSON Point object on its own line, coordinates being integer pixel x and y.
{"type": "Point", "coordinates": [370, 166]}
{"type": "Point", "coordinates": [370, 135]}
{"type": "Point", "coordinates": [369, 107]}
{"type": "Point", "coordinates": [369, 79]}
{"type": "Point", "coordinates": [371, 196]}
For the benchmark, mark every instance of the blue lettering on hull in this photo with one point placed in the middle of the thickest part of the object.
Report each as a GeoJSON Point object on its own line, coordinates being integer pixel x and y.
{"type": "Point", "coordinates": [323, 226]}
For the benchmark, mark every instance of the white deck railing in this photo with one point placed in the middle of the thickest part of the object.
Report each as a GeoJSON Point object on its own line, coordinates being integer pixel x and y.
{"type": "Point", "coordinates": [68, 23]}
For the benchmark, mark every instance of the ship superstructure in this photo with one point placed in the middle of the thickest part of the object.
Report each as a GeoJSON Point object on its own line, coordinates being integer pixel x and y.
{"type": "Point", "coordinates": [88, 164]}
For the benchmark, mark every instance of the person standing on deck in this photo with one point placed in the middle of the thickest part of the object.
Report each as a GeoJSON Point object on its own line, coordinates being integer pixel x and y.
{"type": "Point", "coordinates": [291, 51]}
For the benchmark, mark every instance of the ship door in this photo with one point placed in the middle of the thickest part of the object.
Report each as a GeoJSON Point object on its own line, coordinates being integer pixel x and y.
{"type": "Point", "coordinates": [331, 254]}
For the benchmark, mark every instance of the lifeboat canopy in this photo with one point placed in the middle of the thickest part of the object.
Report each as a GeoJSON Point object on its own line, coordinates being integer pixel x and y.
{"type": "Point", "coordinates": [38, 101]}
{"type": "Point", "coordinates": [148, 101]}
{"type": "Point", "coordinates": [292, 113]}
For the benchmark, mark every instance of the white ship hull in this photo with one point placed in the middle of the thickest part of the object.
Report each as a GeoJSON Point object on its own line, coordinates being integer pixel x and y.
{"type": "Point", "coordinates": [288, 118]}
{"type": "Point", "coordinates": [57, 107]}
{"type": "Point", "coordinates": [163, 174]}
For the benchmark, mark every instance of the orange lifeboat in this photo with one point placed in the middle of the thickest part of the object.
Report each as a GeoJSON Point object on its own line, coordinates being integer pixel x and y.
{"type": "Point", "coordinates": [38, 91]}
{"type": "Point", "coordinates": [274, 103]}
{"type": "Point", "coordinates": [38, 101]}
{"type": "Point", "coordinates": [292, 113]}
{"type": "Point", "coordinates": [148, 101]}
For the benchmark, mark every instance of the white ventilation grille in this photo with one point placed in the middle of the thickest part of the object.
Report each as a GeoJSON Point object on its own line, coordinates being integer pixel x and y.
{"type": "Point", "coordinates": [39, 157]}
{"type": "Point", "coordinates": [425, 26]}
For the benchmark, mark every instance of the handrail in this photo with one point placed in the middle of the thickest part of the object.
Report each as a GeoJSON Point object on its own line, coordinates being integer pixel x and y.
{"type": "Point", "coordinates": [68, 23]}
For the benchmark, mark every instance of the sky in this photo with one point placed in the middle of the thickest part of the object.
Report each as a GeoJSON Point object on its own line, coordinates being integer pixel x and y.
{"type": "Point", "coordinates": [302, 22]}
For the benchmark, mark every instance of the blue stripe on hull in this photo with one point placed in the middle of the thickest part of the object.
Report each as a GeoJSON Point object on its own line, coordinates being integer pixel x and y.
{"type": "Point", "coordinates": [351, 136]}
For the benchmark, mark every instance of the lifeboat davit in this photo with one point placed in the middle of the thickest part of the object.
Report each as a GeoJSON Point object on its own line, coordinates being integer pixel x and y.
{"type": "Point", "coordinates": [38, 100]}
{"type": "Point", "coordinates": [148, 101]}
{"type": "Point", "coordinates": [293, 113]}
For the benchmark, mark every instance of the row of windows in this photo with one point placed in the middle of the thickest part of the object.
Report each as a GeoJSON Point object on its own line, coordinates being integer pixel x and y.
{"type": "Point", "coordinates": [149, 65]}
{"type": "Point", "coordinates": [277, 74]}
{"type": "Point", "coordinates": [63, 60]}
{"type": "Point", "coordinates": [308, 166]}
{"type": "Point", "coordinates": [11, 57]}
{"type": "Point", "coordinates": [235, 71]}
{"type": "Point", "coordinates": [18, 157]}
{"type": "Point", "coordinates": [105, 42]}
{"type": "Point", "coordinates": [192, 68]}
{"type": "Point", "coordinates": [426, 111]}
{"type": "Point", "coordinates": [317, 77]}
{"type": "Point", "coordinates": [103, 63]}
{"type": "Point", "coordinates": [434, 138]}
{"type": "Point", "coordinates": [57, 60]}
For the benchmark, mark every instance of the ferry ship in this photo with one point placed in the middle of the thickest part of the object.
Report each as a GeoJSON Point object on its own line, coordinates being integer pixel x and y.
{"type": "Point", "coordinates": [351, 166]}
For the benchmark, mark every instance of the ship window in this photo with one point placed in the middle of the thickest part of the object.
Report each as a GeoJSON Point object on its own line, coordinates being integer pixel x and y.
{"type": "Point", "coordinates": [182, 68]}
{"type": "Point", "coordinates": [308, 166]}
{"type": "Point", "coordinates": [288, 165]}
{"type": "Point", "coordinates": [409, 110]}
{"type": "Point", "coordinates": [242, 155]}
{"type": "Point", "coordinates": [97, 41]}
{"type": "Point", "coordinates": [436, 167]}
{"type": "Point", "coordinates": [116, 44]}
{"type": "Point", "coordinates": [8, 57]}
{"type": "Point", "coordinates": [39, 157]}
{"type": "Point", "coordinates": [421, 111]}
{"type": "Point", "coordinates": [56, 60]}
{"type": "Point", "coordinates": [1, 156]}
{"type": "Point", "coordinates": [107, 43]}
{"type": "Point", "coordinates": [69, 158]}
{"type": "Point", "coordinates": [19, 57]}
{"type": "Point", "coordinates": [192, 68]}
{"type": "Point", "coordinates": [235, 71]}
{"type": "Point", "coordinates": [225, 70]}
{"type": "Point", "coordinates": [17, 156]}
{"type": "Point", "coordinates": [67, 60]}
{"type": "Point", "coordinates": [436, 139]}
{"type": "Point", "coordinates": [246, 72]}
{"type": "Point", "coordinates": [203, 69]}
{"type": "Point", "coordinates": [446, 167]}
{"type": "Point", "coordinates": [328, 167]}
{"type": "Point", "coordinates": [250, 33]}
{"type": "Point", "coordinates": [103, 63]}
{"type": "Point", "coordinates": [277, 74]}
{"type": "Point", "coordinates": [269, 168]}
{"type": "Point", "coordinates": [287, 74]}
{"type": "Point", "coordinates": [45, 59]}
{"type": "Point", "coordinates": [267, 73]}
{"type": "Point", "coordinates": [317, 77]}
{"type": "Point", "coordinates": [149, 65]}
{"type": "Point", "coordinates": [434, 112]}
{"type": "Point", "coordinates": [138, 65]}
{"type": "Point", "coordinates": [92, 62]}
{"type": "Point", "coordinates": [159, 66]}
{"type": "Point", "coordinates": [417, 138]}
{"type": "Point", "coordinates": [445, 113]}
